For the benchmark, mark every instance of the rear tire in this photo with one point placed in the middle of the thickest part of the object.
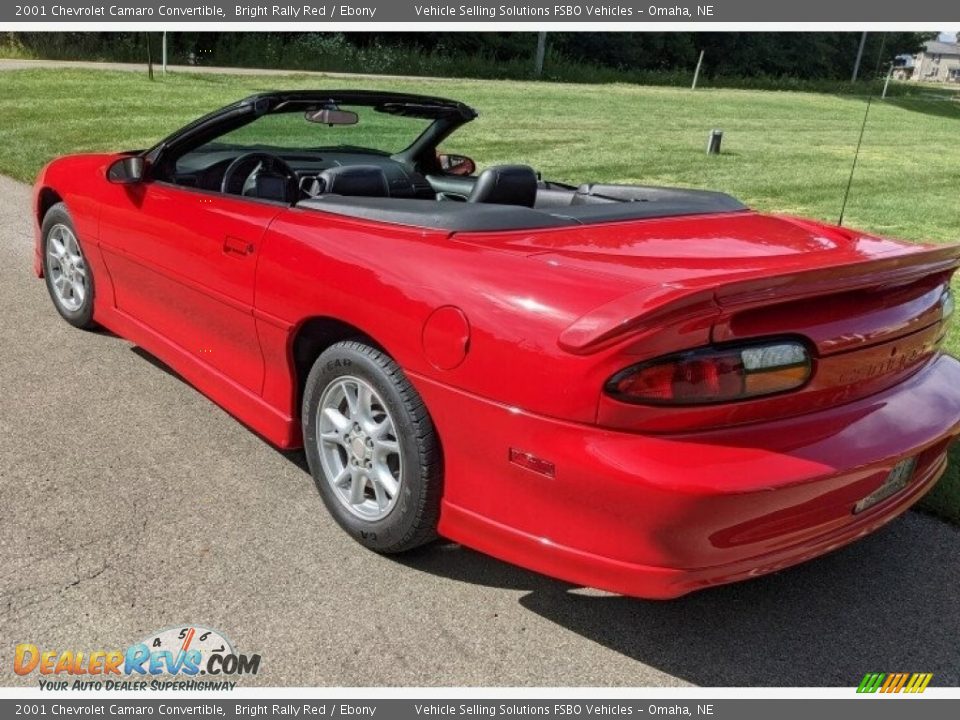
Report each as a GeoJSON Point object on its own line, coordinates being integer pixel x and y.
{"type": "Point", "coordinates": [66, 272]}
{"type": "Point", "coordinates": [372, 448]}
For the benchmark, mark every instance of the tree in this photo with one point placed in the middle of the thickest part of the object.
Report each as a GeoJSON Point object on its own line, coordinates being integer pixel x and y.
{"type": "Point", "coordinates": [798, 55]}
{"type": "Point", "coordinates": [146, 37]}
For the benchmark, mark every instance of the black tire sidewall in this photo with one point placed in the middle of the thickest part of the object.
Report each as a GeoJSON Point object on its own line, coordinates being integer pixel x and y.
{"type": "Point", "coordinates": [403, 528]}
{"type": "Point", "coordinates": [83, 316]}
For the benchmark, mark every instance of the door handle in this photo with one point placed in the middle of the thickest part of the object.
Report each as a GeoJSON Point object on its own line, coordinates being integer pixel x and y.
{"type": "Point", "coordinates": [236, 246]}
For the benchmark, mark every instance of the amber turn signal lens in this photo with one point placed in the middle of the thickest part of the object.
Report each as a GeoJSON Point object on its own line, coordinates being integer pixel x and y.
{"type": "Point", "coordinates": [715, 375]}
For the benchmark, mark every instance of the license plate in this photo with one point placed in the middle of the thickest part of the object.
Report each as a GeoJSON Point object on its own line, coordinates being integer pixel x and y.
{"type": "Point", "coordinates": [897, 479]}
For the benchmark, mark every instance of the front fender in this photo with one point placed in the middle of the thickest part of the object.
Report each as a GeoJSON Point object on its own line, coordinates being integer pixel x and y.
{"type": "Point", "coordinates": [79, 181]}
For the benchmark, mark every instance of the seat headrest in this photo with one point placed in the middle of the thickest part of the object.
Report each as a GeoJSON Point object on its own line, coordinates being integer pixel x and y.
{"type": "Point", "coordinates": [506, 185]}
{"type": "Point", "coordinates": [356, 180]}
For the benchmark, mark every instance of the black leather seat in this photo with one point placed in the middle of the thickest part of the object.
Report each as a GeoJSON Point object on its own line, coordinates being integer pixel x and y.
{"type": "Point", "coordinates": [355, 180]}
{"type": "Point", "coordinates": [506, 185]}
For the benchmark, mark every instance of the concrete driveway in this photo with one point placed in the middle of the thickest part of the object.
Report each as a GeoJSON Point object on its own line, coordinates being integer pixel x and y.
{"type": "Point", "coordinates": [129, 503]}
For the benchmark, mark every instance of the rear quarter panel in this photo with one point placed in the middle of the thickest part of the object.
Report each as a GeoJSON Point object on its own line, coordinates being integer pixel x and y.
{"type": "Point", "coordinates": [386, 280]}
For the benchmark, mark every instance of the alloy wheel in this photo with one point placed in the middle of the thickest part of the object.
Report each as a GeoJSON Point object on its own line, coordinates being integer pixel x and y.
{"type": "Point", "coordinates": [359, 449]}
{"type": "Point", "coordinates": [67, 268]}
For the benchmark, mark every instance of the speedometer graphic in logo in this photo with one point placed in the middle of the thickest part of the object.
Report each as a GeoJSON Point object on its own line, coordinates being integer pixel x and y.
{"type": "Point", "coordinates": [190, 638]}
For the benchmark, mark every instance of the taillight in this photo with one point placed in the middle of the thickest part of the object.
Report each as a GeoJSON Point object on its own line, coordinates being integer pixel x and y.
{"type": "Point", "coordinates": [714, 375]}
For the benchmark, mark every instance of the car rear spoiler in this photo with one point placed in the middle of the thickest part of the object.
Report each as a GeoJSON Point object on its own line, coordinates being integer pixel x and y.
{"type": "Point", "coordinates": [700, 299]}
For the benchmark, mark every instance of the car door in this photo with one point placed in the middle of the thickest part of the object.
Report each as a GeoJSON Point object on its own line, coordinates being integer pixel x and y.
{"type": "Point", "coordinates": [182, 262]}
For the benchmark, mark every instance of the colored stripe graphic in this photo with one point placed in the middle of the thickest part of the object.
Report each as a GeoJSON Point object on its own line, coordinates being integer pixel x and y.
{"type": "Point", "coordinates": [918, 683]}
{"type": "Point", "coordinates": [871, 682]}
{"type": "Point", "coordinates": [894, 682]}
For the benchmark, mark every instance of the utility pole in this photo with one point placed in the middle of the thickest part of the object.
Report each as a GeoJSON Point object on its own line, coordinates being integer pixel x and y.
{"type": "Point", "coordinates": [541, 52]}
{"type": "Point", "coordinates": [696, 73]}
{"type": "Point", "coordinates": [856, 64]}
{"type": "Point", "coordinates": [164, 52]}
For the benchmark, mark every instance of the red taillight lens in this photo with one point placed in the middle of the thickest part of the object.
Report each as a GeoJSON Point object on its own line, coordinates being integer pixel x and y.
{"type": "Point", "coordinates": [714, 375]}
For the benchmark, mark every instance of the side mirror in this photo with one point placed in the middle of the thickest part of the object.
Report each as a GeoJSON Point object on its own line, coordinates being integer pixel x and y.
{"type": "Point", "coordinates": [127, 170]}
{"type": "Point", "coordinates": [456, 164]}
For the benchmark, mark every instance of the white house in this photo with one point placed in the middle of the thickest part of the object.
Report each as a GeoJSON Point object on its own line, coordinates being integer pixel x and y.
{"type": "Point", "coordinates": [937, 62]}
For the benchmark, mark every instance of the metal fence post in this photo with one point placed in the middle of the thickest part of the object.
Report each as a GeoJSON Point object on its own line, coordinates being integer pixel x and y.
{"type": "Point", "coordinates": [886, 83]}
{"type": "Point", "coordinates": [713, 142]}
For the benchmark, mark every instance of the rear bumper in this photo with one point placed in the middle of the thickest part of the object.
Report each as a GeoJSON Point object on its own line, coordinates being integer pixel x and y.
{"type": "Point", "coordinates": [662, 516]}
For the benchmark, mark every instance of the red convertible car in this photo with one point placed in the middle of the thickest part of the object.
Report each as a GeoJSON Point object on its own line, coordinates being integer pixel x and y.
{"type": "Point", "coordinates": [643, 389]}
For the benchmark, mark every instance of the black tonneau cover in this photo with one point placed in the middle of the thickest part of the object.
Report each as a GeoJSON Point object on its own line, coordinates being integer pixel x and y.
{"type": "Point", "coordinates": [610, 203]}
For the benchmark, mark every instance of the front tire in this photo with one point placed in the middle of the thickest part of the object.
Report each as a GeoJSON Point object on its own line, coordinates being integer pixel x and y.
{"type": "Point", "coordinates": [66, 272]}
{"type": "Point", "coordinates": [372, 448]}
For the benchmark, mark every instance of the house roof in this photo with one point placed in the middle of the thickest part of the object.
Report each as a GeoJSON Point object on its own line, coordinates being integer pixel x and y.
{"type": "Point", "coordinates": [904, 61]}
{"type": "Point", "coordinates": [935, 47]}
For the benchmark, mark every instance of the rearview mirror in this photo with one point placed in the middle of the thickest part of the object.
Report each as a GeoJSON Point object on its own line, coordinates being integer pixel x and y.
{"type": "Point", "coordinates": [456, 164]}
{"type": "Point", "coordinates": [331, 116]}
{"type": "Point", "coordinates": [126, 170]}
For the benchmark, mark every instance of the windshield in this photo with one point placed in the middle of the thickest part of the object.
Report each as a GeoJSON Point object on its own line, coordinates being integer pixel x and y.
{"type": "Point", "coordinates": [376, 132]}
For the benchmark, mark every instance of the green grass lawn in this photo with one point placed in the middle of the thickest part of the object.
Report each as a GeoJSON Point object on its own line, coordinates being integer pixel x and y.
{"type": "Point", "coordinates": [783, 151]}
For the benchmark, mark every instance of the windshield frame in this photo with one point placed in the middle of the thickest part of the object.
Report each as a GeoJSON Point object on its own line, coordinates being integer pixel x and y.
{"type": "Point", "coordinates": [446, 116]}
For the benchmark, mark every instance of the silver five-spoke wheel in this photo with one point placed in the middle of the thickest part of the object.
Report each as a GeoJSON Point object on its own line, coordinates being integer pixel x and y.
{"type": "Point", "coordinates": [68, 270]}
{"type": "Point", "coordinates": [358, 448]}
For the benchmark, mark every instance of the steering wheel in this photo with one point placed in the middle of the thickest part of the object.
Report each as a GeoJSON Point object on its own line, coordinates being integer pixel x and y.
{"type": "Point", "coordinates": [239, 172]}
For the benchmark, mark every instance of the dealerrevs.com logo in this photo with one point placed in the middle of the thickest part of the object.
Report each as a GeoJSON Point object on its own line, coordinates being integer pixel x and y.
{"type": "Point", "coordinates": [189, 657]}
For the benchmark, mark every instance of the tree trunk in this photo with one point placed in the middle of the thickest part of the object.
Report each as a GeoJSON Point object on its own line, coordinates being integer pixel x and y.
{"type": "Point", "coordinates": [541, 52]}
{"type": "Point", "coordinates": [149, 57]}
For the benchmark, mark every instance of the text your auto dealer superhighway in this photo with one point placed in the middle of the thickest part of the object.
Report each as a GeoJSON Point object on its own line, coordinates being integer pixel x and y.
{"type": "Point", "coordinates": [94, 11]}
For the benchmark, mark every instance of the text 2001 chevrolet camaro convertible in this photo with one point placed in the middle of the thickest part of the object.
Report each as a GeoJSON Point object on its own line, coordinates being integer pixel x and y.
{"type": "Point", "coordinates": [641, 389]}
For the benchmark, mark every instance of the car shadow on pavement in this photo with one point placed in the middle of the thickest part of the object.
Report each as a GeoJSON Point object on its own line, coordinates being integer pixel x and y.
{"type": "Point", "coordinates": [888, 603]}
{"type": "Point", "coordinates": [296, 457]}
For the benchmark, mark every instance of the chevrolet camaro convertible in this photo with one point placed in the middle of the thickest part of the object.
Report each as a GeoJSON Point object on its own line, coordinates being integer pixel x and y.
{"type": "Point", "coordinates": [643, 389]}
